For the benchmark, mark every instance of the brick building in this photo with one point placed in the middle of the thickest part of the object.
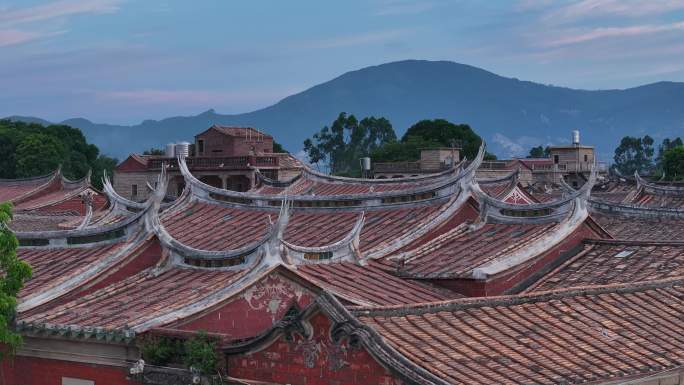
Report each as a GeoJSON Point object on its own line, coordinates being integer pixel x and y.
{"type": "Point", "coordinates": [433, 279]}
{"type": "Point", "coordinates": [223, 157]}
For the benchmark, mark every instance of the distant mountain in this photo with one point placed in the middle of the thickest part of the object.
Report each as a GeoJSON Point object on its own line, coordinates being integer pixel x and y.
{"type": "Point", "coordinates": [511, 114]}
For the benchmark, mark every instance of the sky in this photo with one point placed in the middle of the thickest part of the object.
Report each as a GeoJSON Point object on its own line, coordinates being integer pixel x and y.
{"type": "Point", "coordinates": [123, 61]}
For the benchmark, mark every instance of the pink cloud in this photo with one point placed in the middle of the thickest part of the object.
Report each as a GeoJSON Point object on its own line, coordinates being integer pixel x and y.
{"type": "Point", "coordinates": [632, 8]}
{"type": "Point", "coordinates": [57, 9]}
{"type": "Point", "coordinates": [610, 32]}
{"type": "Point", "coordinates": [13, 36]}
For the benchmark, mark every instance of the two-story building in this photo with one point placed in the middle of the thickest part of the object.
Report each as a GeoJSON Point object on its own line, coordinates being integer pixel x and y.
{"type": "Point", "coordinates": [223, 157]}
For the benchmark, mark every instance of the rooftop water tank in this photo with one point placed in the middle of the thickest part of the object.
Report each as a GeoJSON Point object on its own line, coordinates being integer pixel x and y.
{"type": "Point", "coordinates": [182, 149]}
{"type": "Point", "coordinates": [575, 137]}
{"type": "Point", "coordinates": [170, 150]}
{"type": "Point", "coordinates": [365, 164]}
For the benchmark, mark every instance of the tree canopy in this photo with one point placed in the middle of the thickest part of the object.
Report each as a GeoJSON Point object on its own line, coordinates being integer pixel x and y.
{"type": "Point", "coordinates": [153, 151]}
{"type": "Point", "coordinates": [673, 163]}
{"type": "Point", "coordinates": [346, 140]}
{"type": "Point", "coordinates": [30, 149]}
{"type": "Point", "coordinates": [431, 134]}
{"type": "Point", "coordinates": [341, 144]}
{"type": "Point", "coordinates": [15, 273]}
{"type": "Point", "coordinates": [539, 152]}
{"type": "Point", "coordinates": [666, 145]}
{"type": "Point", "coordinates": [634, 154]}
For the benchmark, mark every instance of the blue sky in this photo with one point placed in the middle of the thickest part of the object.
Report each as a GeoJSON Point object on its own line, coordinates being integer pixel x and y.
{"type": "Point", "coordinates": [122, 61]}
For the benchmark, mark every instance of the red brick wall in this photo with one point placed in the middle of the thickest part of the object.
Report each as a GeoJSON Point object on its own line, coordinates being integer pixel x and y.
{"type": "Point", "coordinates": [40, 371]}
{"type": "Point", "coordinates": [215, 144]}
{"type": "Point", "coordinates": [220, 145]}
{"type": "Point", "coordinates": [316, 362]}
{"type": "Point", "coordinates": [254, 311]}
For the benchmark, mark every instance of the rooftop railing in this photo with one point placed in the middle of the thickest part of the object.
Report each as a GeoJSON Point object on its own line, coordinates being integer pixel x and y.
{"type": "Point", "coordinates": [214, 163]}
{"type": "Point", "coordinates": [396, 167]}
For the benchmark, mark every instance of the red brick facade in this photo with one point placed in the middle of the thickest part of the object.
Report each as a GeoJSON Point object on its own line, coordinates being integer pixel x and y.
{"type": "Point", "coordinates": [254, 311]}
{"type": "Point", "coordinates": [40, 371]}
{"type": "Point", "coordinates": [318, 361]}
{"type": "Point", "coordinates": [229, 141]}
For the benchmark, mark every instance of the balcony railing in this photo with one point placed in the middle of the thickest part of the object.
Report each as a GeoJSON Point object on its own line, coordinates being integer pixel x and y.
{"type": "Point", "coordinates": [397, 167]}
{"type": "Point", "coordinates": [570, 167]}
{"type": "Point", "coordinates": [493, 165]}
{"type": "Point", "coordinates": [216, 163]}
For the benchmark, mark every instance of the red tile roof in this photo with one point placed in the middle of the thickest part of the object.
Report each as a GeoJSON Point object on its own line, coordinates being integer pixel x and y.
{"type": "Point", "coordinates": [566, 337]}
{"type": "Point", "coordinates": [214, 227]}
{"type": "Point", "coordinates": [604, 263]}
{"type": "Point", "coordinates": [459, 251]}
{"type": "Point", "coordinates": [653, 200]}
{"type": "Point", "coordinates": [54, 265]}
{"type": "Point", "coordinates": [311, 229]}
{"type": "Point", "coordinates": [139, 298]}
{"type": "Point", "coordinates": [369, 284]}
{"type": "Point", "coordinates": [384, 226]}
{"type": "Point", "coordinates": [641, 228]}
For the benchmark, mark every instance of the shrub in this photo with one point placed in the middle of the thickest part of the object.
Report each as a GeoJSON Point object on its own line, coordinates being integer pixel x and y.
{"type": "Point", "coordinates": [200, 353]}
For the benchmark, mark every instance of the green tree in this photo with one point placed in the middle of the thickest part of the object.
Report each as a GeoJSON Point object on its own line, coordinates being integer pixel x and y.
{"type": "Point", "coordinates": [7, 160]}
{"type": "Point", "coordinates": [277, 147]}
{"type": "Point", "coordinates": [539, 152]}
{"type": "Point", "coordinates": [634, 154]}
{"type": "Point", "coordinates": [30, 149]}
{"type": "Point", "coordinates": [431, 134]}
{"type": "Point", "coordinates": [101, 165]}
{"type": "Point", "coordinates": [200, 353]}
{"type": "Point", "coordinates": [14, 273]}
{"type": "Point", "coordinates": [673, 163]}
{"type": "Point", "coordinates": [346, 140]}
{"type": "Point", "coordinates": [39, 154]}
{"type": "Point", "coordinates": [154, 151]}
{"type": "Point", "coordinates": [667, 144]}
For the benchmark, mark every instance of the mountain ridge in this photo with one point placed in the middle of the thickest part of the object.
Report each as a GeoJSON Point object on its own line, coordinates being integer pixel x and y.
{"type": "Point", "coordinates": [512, 115]}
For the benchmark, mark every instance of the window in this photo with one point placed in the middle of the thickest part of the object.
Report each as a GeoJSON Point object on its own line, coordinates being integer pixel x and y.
{"type": "Point", "coordinates": [134, 190]}
{"type": "Point", "coordinates": [200, 146]}
{"type": "Point", "coordinates": [586, 157]}
{"type": "Point", "coordinates": [318, 256]}
{"type": "Point", "coordinates": [555, 159]}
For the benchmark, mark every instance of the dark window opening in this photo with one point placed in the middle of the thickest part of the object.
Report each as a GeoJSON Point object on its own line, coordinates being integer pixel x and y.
{"type": "Point", "coordinates": [556, 159]}
{"type": "Point", "coordinates": [318, 256]}
{"type": "Point", "coordinates": [586, 157]}
{"type": "Point", "coordinates": [134, 190]}
{"type": "Point", "coordinates": [200, 146]}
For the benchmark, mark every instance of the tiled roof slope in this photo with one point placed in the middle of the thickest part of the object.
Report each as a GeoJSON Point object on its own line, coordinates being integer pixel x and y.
{"type": "Point", "coordinates": [11, 189]}
{"type": "Point", "coordinates": [33, 223]}
{"type": "Point", "coordinates": [369, 284]}
{"type": "Point", "coordinates": [609, 262]}
{"type": "Point", "coordinates": [461, 250]}
{"type": "Point", "coordinates": [54, 265]}
{"type": "Point", "coordinates": [564, 337]}
{"type": "Point", "coordinates": [213, 227]}
{"type": "Point", "coordinates": [653, 200]}
{"type": "Point", "coordinates": [312, 229]}
{"type": "Point", "coordinates": [388, 224]}
{"type": "Point", "coordinates": [641, 228]}
{"type": "Point", "coordinates": [139, 298]}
